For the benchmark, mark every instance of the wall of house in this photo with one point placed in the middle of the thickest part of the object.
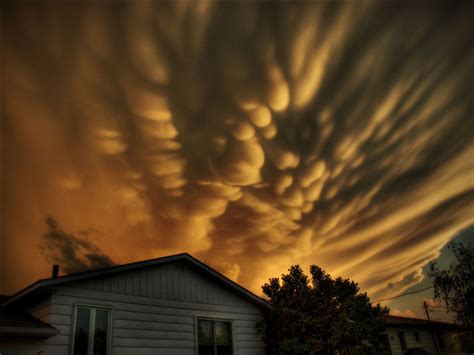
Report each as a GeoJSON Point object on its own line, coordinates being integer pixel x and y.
{"type": "Point", "coordinates": [426, 342]}
{"type": "Point", "coordinates": [154, 311]}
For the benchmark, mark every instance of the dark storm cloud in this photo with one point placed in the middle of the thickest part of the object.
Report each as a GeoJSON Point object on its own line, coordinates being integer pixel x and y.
{"type": "Point", "coordinates": [254, 135]}
{"type": "Point", "coordinates": [72, 254]}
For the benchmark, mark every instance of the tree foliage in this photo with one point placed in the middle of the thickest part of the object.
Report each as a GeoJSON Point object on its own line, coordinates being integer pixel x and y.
{"type": "Point", "coordinates": [455, 285]}
{"type": "Point", "coordinates": [319, 315]}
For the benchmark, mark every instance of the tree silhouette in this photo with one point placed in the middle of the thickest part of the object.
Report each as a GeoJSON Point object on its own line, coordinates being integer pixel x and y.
{"type": "Point", "coordinates": [319, 316]}
{"type": "Point", "coordinates": [455, 286]}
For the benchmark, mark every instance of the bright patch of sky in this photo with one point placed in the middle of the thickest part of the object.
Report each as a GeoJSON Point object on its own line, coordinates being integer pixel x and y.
{"type": "Point", "coordinates": [412, 305]}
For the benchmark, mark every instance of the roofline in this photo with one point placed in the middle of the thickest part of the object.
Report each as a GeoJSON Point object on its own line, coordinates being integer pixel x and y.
{"type": "Point", "coordinates": [134, 265]}
{"type": "Point", "coordinates": [413, 321]}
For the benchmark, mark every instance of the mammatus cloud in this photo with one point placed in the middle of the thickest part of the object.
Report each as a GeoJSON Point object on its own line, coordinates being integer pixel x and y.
{"type": "Point", "coordinates": [252, 135]}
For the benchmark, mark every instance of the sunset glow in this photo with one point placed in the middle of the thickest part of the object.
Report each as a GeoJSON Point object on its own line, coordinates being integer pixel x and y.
{"type": "Point", "coordinates": [251, 135]}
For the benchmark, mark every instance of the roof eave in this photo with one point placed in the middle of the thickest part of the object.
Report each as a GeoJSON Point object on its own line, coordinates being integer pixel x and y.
{"type": "Point", "coordinates": [235, 286]}
{"type": "Point", "coordinates": [28, 332]}
{"type": "Point", "coordinates": [420, 324]}
{"type": "Point", "coordinates": [119, 268]}
{"type": "Point", "coordinates": [86, 274]}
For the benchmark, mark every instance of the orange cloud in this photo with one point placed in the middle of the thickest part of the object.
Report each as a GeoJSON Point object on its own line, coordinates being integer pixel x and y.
{"type": "Point", "coordinates": [254, 138]}
{"type": "Point", "coordinates": [406, 313]}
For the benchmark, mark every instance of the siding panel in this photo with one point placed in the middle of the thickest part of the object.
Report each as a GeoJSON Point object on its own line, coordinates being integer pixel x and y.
{"type": "Point", "coordinates": [244, 312]}
{"type": "Point", "coordinates": [152, 334]}
{"type": "Point", "coordinates": [139, 324]}
{"type": "Point", "coordinates": [153, 343]}
{"type": "Point", "coordinates": [20, 347]}
{"type": "Point", "coordinates": [153, 351]}
{"type": "Point", "coordinates": [176, 281]}
{"type": "Point", "coordinates": [426, 342]}
{"type": "Point", "coordinates": [127, 315]}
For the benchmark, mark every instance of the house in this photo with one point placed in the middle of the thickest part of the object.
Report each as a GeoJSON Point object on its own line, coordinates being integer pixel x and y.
{"type": "Point", "coordinates": [403, 334]}
{"type": "Point", "coordinates": [170, 305]}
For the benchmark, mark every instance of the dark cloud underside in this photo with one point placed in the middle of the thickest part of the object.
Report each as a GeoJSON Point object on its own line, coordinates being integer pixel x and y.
{"type": "Point", "coordinates": [253, 135]}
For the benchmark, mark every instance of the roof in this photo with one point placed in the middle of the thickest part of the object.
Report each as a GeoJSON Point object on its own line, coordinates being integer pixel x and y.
{"type": "Point", "coordinates": [397, 321]}
{"type": "Point", "coordinates": [17, 323]}
{"type": "Point", "coordinates": [40, 285]}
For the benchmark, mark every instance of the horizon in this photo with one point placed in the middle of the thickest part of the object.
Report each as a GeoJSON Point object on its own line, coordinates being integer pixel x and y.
{"type": "Point", "coordinates": [409, 298]}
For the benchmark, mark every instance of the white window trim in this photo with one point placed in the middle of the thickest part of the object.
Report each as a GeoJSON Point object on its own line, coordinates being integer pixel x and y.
{"type": "Point", "coordinates": [232, 330]}
{"type": "Point", "coordinates": [92, 320]}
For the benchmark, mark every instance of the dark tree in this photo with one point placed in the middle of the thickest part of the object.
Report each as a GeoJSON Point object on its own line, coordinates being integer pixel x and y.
{"type": "Point", "coordinates": [320, 316]}
{"type": "Point", "coordinates": [455, 286]}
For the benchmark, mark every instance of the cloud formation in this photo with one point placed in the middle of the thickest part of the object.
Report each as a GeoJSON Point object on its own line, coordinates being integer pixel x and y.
{"type": "Point", "coordinates": [73, 254]}
{"type": "Point", "coordinates": [406, 313]}
{"type": "Point", "coordinates": [252, 135]}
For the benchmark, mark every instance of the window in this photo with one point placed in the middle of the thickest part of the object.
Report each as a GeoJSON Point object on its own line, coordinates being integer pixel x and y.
{"type": "Point", "coordinates": [439, 340]}
{"type": "Point", "coordinates": [417, 337]}
{"type": "Point", "coordinates": [214, 337]}
{"type": "Point", "coordinates": [92, 328]}
{"type": "Point", "coordinates": [403, 343]}
{"type": "Point", "coordinates": [385, 344]}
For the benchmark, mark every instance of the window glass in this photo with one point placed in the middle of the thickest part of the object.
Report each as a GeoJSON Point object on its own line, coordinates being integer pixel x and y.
{"type": "Point", "coordinates": [223, 337]}
{"type": "Point", "coordinates": [100, 331]}
{"type": "Point", "coordinates": [439, 339]}
{"type": "Point", "coordinates": [403, 343]}
{"type": "Point", "coordinates": [417, 336]}
{"type": "Point", "coordinates": [385, 344]}
{"type": "Point", "coordinates": [214, 337]}
{"type": "Point", "coordinates": [91, 331]}
{"type": "Point", "coordinates": [206, 337]}
{"type": "Point", "coordinates": [81, 340]}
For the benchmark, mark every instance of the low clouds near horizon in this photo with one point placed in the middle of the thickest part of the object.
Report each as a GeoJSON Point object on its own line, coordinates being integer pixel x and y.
{"type": "Point", "coordinates": [251, 135]}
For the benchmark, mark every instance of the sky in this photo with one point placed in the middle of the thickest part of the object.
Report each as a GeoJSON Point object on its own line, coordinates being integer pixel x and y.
{"type": "Point", "coordinates": [253, 135]}
{"type": "Point", "coordinates": [411, 303]}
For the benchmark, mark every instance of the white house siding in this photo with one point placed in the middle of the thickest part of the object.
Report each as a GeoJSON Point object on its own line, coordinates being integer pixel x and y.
{"type": "Point", "coordinates": [20, 347]}
{"type": "Point", "coordinates": [426, 342]}
{"type": "Point", "coordinates": [154, 311]}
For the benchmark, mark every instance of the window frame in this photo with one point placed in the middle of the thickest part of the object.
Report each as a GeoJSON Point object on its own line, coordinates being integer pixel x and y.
{"type": "Point", "coordinates": [403, 340]}
{"type": "Point", "coordinates": [216, 319]}
{"type": "Point", "coordinates": [78, 305]}
{"type": "Point", "coordinates": [386, 345]}
{"type": "Point", "coordinates": [439, 340]}
{"type": "Point", "coordinates": [417, 336]}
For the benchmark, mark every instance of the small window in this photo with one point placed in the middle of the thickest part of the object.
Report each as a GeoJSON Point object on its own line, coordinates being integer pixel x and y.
{"type": "Point", "coordinates": [417, 337]}
{"type": "Point", "coordinates": [385, 344]}
{"type": "Point", "coordinates": [91, 334]}
{"type": "Point", "coordinates": [403, 343]}
{"type": "Point", "coordinates": [214, 337]}
{"type": "Point", "coordinates": [439, 340]}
